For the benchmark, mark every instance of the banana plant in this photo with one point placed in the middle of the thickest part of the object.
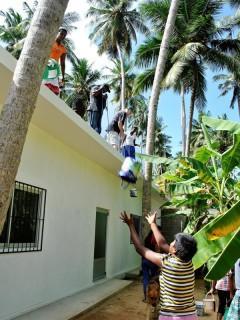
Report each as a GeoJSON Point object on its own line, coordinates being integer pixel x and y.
{"type": "Point", "coordinates": [208, 184]}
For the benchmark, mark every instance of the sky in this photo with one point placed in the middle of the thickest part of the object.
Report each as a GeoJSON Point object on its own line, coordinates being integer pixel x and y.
{"type": "Point", "coordinates": [169, 102]}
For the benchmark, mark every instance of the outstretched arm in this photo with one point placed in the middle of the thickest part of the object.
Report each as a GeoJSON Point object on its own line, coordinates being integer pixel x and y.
{"type": "Point", "coordinates": [161, 241]}
{"type": "Point", "coordinates": [143, 251]}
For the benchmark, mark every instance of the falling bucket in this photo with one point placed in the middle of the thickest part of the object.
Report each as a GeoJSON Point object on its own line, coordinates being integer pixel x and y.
{"type": "Point", "coordinates": [209, 302]}
{"type": "Point", "coordinates": [200, 308]}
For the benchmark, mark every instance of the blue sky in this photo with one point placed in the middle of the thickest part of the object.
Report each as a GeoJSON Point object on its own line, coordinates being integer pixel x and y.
{"type": "Point", "coordinates": [169, 102]}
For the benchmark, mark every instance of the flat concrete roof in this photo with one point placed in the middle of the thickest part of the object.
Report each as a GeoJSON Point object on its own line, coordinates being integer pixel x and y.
{"type": "Point", "coordinates": [55, 117]}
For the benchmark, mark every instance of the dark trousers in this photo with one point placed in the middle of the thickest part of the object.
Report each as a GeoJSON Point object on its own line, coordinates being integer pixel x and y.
{"type": "Point", "coordinates": [224, 297]}
{"type": "Point", "coordinates": [128, 151]}
{"type": "Point", "coordinates": [149, 271]}
{"type": "Point", "coordinates": [95, 120]}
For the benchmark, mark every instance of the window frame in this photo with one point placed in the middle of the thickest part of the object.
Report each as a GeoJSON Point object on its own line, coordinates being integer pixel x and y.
{"type": "Point", "coordinates": [16, 247]}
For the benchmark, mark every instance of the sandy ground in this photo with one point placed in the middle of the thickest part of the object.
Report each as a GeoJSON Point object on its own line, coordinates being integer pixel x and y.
{"type": "Point", "coordinates": [128, 305]}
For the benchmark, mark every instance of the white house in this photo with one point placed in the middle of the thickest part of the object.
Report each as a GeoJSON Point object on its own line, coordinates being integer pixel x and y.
{"type": "Point", "coordinates": [63, 231]}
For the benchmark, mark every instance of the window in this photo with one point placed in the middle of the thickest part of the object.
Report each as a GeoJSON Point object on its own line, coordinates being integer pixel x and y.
{"type": "Point", "coordinates": [23, 228]}
{"type": "Point", "coordinates": [137, 224]}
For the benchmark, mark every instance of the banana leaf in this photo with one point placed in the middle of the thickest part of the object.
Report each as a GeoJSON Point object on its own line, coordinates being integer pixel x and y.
{"type": "Point", "coordinates": [226, 259]}
{"type": "Point", "coordinates": [203, 154]}
{"type": "Point", "coordinates": [220, 124]}
{"type": "Point", "coordinates": [155, 159]}
{"type": "Point", "coordinates": [201, 169]}
{"type": "Point", "coordinates": [181, 189]}
{"type": "Point", "coordinates": [231, 157]}
{"type": "Point", "coordinates": [206, 247]}
{"type": "Point", "coordinates": [226, 223]}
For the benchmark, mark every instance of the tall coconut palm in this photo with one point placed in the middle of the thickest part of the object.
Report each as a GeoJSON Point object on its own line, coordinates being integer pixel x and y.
{"type": "Point", "coordinates": [21, 99]}
{"type": "Point", "coordinates": [139, 118]}
{"type": "Point", "coordinates": [201, 47]}
{"type": "Point", "coordinates": [115, 26]}
{"type": "Point", "coordinates": [197, 43]}
{"type": "Point", "coordinates": [158, 77]}
{"type": "Point", "coordinates": [78, 85]}
{"type": "Point", "coordinates": [222, 140]}
{"type": "Point", "coordinates": [139, 121]}
{"type": "Point", "coordinates": [15, 28]}
{"type": "Point", "coordinates": [229, 84]}
{"type": "Point", "coordinates": [113, 78]}
{"type": "Point", "coordinates": [68, 23]}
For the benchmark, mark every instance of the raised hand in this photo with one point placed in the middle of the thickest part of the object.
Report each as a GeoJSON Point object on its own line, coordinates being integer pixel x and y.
{"type": "Point", "coordinates": [125, 219]}
{"type": "Point", "coordinates": [151, 217]}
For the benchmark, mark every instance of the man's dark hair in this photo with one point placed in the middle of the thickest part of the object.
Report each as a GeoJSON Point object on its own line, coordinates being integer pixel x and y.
{"type": "Point", "coordinates": [62, 29]}
{"type": "Point", "coordinates": [186, 246]}
{"type": "Point", "coordinates": [107, 87]}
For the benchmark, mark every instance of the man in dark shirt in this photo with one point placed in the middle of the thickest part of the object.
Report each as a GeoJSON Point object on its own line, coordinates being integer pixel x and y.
{"type": "Point", "coordinates": [97, 104]}
{"type": "Point", "coordinates": [116, 127]}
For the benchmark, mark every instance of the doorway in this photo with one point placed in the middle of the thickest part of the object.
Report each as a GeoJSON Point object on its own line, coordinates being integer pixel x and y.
{"type": "Point", "coordinates": [99, 265]}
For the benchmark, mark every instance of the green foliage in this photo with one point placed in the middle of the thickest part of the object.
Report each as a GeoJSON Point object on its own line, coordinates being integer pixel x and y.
{"type": "Point", "coordinates": [113, 78]}
{"type": "Point", "coordinates": [15, 28]}
{"type": "Point", "coordinates": [139, 120]}
{"type": "Point", "coordinates": [206, 247]}
{"type": "Point", "coordinates": [78, 85]}
{"type": "Point", "coordinates": [206, 189]}
{"type": "Point", "coordinates": [227, 223]}
{"type": "Point", "coordinates": [115, 24]}
{"type": "Point", "coordinates": [219, 124]}
{"type": "Point", "coordinates": [224, 261]}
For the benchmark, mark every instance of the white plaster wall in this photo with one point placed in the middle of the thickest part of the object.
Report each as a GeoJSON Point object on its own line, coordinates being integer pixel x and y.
{"type": "Point", "coordinates": [75, 187]}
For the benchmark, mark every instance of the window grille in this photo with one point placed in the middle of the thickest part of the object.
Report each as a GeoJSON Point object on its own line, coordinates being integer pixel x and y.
{"type": "Point", "coordinates": [23, 228]}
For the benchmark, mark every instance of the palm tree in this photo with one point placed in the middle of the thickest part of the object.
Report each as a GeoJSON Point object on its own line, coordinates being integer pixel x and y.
{"type": "Point", "coordinates": [13, 30]}
{"type": "Point", "coordinates": [68, 20]}
{"type": "Point", "coordinates": [113, 77]}
{"type": "Point", "coordinates": [68, 23]}
{"type": "Point", "coordinates": [201, 47]}
{"type": "Point", "coordinates": [158, 77]}
{"type": "Point", "coordinates": [230, 83]}
{"type": "Point", "coordinates": [140, 118]}
{"type": "Point", "coordinates": [222, 140]}
{"type": "Point", "coordinates": [197, 137]}
{"type": "Point", "coordinates": [115, 26]}
{"type": "Point", "coordinates": [78, 85]}
{"type": "Point", "coordinates": [21, 100]}
{"type": "Point", "coordinates": [197, 43]}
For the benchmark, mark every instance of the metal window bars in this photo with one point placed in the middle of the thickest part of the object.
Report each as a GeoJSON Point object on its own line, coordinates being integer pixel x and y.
{"type": "Point", "coordinates": [23, 228]}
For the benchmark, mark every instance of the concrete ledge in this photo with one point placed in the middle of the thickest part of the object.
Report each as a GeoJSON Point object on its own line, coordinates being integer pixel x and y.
{"type": "Point", "coordinates": [70, 307]}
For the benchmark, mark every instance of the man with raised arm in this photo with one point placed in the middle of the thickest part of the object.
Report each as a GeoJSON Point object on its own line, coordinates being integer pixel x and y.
{"type": "Point", "coordinates": [177, 273]}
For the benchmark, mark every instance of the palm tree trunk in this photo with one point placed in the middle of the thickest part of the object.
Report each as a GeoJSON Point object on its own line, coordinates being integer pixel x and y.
{"type": "Point", "coordinates": [20, 103]}
{"type": "Point", "coordinates": [183, 120]}
{"type": "Point", "coordinates": [238, 105]}
{"type": "Point", "coordinates": [122, 77]}
{"type": "Point", "coordinates": [191, 112]}
{"type": "Point", "coordinates": [147, 181]}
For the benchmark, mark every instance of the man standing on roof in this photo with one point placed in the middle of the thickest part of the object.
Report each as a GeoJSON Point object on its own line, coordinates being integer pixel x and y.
{"type": "Point", "coordinates": [98, 100]}
{"type": "Point", "coordinates": [115, 129]}
{"type": "Point", "coordinates": [52, 71]}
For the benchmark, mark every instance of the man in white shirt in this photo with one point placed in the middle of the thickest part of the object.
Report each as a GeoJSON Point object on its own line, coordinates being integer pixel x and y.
{"type": "Point", "coordinates": [128, 149]}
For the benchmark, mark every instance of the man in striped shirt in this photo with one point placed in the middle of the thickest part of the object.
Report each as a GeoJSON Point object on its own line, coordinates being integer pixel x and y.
{"type": "Point", "coordinates": [177, 273]}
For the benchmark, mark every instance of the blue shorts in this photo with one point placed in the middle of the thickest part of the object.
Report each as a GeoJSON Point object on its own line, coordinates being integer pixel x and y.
{"type": "Point", "coordinates": [128, 151]}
